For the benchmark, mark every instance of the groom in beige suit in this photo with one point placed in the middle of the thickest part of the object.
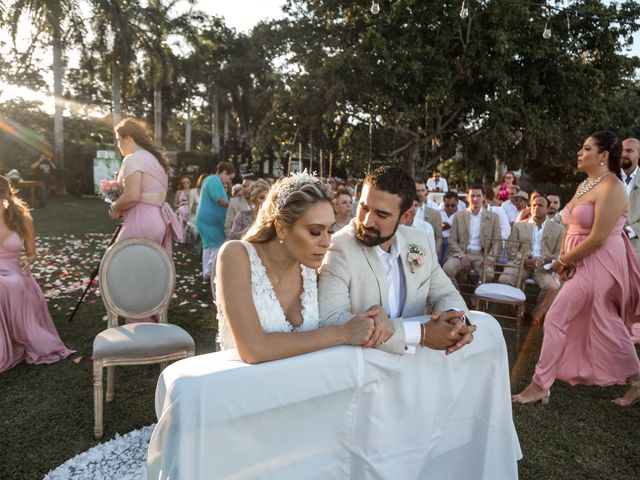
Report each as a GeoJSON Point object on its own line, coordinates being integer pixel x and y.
{"type": "Point", "coordinates": [377, 261]}
{"type": "Point", "coordinates": [629, 160]}
{"type": "Point", "coordinates": [471, 233]}
{"type": "Point", "coordinates": [544, 239]}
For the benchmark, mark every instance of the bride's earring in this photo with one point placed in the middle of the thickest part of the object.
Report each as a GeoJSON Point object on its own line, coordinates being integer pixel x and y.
{"type": "Point", "coordinates": [601, 163]}
{"type": "Point", "coordinates": [281, 240]}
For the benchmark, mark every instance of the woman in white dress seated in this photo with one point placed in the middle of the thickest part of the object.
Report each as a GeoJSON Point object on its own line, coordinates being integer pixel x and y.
{"type": "Point", "coordinates": [266, 284]}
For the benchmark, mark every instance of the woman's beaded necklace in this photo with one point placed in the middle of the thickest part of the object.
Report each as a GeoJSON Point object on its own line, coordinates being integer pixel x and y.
{"type": "Point", "coordinates": [587, 186]}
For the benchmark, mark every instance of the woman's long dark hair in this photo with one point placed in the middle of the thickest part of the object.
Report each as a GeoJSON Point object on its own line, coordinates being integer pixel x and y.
{"type": "Point", "coordinates": [612, 143]}
{"type": "Point", "coordinates": [16, 212]}
{"type": "Point", "coordinates": [130, 127]}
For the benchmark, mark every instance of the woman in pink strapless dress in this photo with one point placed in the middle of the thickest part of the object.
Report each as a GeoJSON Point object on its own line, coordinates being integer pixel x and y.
{"type": "Point", "coordinates": [144, 182]}
{"type": "Point", "coordinates": [587, 330]}
{"type": "Point", "coordinates": [27, 331]}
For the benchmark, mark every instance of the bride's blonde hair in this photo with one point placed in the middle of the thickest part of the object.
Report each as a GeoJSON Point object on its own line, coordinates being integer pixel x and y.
{"type": "Point", "coordinates": [286, 202]}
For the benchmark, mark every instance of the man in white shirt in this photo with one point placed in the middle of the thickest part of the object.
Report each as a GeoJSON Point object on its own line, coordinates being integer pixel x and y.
{"type": "Point", "coordinates": [629, 161]}
{"type": "Point", "coordinates": [429, 211]}
{"type": "Point", "coordinates": [471, 235]}
{"type": "Point", "coordinates": [545, 239]}
{"type": "Point", "coordinates": [238, 204]}
{"type": "Point", "coordinates": [437, 184]}
{"type": "Point", "coordinates": [449, 209]}
{"type": "Point", "coordinates": [416, 222]}
{"type": "Point", "coordinates": [509, 205]}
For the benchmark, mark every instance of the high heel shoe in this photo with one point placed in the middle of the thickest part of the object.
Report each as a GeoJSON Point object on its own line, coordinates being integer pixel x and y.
{"type": "Point", "coordinates": [633, 385]}
{"type": "Point", "coordinates": [544, 400]}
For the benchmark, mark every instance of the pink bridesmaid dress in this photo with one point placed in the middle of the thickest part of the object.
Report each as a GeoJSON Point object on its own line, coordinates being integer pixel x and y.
{"type": "Point", "coordinates": [147, 220]}
{"type": "Point", "coordinates": [157, 223]}
{"type": "Point", "coordinates": [27, 331]}
{"type": "Point", "coordinates": [587, 331]}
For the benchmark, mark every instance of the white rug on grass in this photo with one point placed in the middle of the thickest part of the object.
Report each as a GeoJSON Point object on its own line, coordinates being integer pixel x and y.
{"type": "Point", "coordinates": [123, 458]}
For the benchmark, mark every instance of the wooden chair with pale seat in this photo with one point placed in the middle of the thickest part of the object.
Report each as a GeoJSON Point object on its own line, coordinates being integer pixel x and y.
{"type": "Point", "coordinates": [506, 257]}
{"type": "Point", "coordinates": [137, 278]}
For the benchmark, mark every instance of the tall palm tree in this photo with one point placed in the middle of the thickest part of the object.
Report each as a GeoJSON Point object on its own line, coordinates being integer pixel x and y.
{"type": "Point", "coordinates": [55, 15]}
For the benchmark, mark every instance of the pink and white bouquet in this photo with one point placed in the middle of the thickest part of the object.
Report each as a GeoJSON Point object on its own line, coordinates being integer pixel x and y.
{"type": "Point", "coordinates": [109, 190]}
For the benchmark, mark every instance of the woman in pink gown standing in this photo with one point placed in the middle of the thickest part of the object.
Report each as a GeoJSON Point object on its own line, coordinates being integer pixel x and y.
{"type": "Point", "coordinates": [27, 331]}
{"type": "Point", "coordinates": [587, 331]}
{"type": "Point", "coordinates": [144, 182]}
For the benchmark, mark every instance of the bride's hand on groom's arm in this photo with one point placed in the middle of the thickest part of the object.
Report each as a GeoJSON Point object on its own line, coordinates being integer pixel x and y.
{"type": "Point", "coordinates": [383, 326]}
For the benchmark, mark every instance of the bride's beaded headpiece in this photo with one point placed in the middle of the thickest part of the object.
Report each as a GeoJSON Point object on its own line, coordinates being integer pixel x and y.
{"type": "Point", "coordinates": [293, 183]}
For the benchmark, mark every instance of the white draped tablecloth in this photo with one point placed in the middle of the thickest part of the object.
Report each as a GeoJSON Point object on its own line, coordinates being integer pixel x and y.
{"type": "Point", "coordinates": [339, 413]}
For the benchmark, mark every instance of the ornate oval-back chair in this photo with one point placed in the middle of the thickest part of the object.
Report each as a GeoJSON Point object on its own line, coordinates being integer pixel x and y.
{"type": "Point", "coordinates": [137, 277]}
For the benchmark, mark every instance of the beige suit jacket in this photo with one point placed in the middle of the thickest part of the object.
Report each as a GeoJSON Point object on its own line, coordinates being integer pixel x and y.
{"type": "Point", "coordinates": [236, 205]}
{"type": "Point", "coordinates": [434, 217]}
{"type": "Point", "coordinates": [353, 279]}
{"type": "Point", "coordinates": [551, 237]}
{"type": "Point", "coordinates": [460, 228]}
{"type": "Point", "coordinates": [633, 220]}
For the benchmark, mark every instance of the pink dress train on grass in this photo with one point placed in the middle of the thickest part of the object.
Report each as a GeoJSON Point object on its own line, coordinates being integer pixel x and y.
{"type": "Point", "coordinates": [157, 223]}
{"type": "Point", "coordinates": [587, 330]}
{"type": "Point", "coordinates": [27, 331]}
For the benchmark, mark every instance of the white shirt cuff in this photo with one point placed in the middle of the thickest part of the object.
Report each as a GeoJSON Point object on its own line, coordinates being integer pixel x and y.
{"type": "Point", "coordinates": [630, 231]}
{"type": "Point", "coordinates": [412, 334]}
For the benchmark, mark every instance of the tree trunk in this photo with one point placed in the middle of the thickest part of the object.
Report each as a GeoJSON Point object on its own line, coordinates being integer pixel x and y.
{"type": "Point", "coordinates": [215, 122]}
{"type": "Point", "coordinates": [157, 113]}
{"type": "Point", "coordinates": [497, 177]}
{"type": "Point", "coordinates": [226, 126]}
{"type": "Point", "coordinates": [116, 83]}
{"type": "Point", "coordinates": [58, 123]}
{"type": "Point", "coordinates": [411, 158]}
{"type": "Point", "coordinates": [187, 128]}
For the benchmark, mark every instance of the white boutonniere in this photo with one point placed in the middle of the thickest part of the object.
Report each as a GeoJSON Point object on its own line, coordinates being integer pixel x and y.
{"type": "Point", "coordinates": [415, 257]}
{"type": "Point", "coordinates": [635, 187]}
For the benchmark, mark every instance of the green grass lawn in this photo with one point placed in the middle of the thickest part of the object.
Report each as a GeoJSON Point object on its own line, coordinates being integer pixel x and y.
{"type": "Point", "coordinates": [46, 411]}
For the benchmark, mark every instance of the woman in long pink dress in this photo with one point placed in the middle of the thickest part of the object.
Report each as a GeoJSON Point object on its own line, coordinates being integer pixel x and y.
{"type": "Point", "coordinates": [587, 330]}
{"type": "Point", "coordinates": [27, 331]}
{"type": "Point", "coordinates": [144, 182]}
{"type": "Point", "coordinates": [181, 203]}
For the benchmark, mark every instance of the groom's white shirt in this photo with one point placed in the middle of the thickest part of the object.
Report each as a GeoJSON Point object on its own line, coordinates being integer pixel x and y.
{"type": "Point", "coordinates": [353, 278]}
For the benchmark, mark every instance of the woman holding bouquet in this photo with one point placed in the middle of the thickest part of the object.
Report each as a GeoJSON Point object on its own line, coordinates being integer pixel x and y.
{"type": "Point", "coordinates": [26, 329]}
{"type": "Point", "coordinates": [144, 182]}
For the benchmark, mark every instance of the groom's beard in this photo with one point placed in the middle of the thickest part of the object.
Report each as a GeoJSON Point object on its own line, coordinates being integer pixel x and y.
{"type": "Point", "coordinates": [372, 241]}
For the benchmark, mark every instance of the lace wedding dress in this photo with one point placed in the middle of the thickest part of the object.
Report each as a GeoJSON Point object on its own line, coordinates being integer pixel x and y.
{"type": "Point", "coordinates": [267, 304]}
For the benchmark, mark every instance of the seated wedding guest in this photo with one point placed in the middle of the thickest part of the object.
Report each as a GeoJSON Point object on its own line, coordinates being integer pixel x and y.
{"type": "Point", "coordinates": [436, 183]}
{"type": "Point", "coordinates": [493, 205]}
{"type": "Point", "coordinates": [450, 207]}
{"type": "Point", "coordinates": [258, 191]}
{"type": "Point", "coordinates": [266, 284]}
{"type": "Point", "coordinates": [504, 192]}
{"type": "Point", "coordinates": [471, 233]}
{"type": "Point", "coordinates": [342, 208]}
{"type": "Point", "coordinates": [521, 202]}
{"type": "Point", "coordinates": [238, 204]}
{"type": "Point", "coordinates": [144, 182]}
{"type": "Point", "coordinates": [630, 156]}
{"type": "Point", "coordinates": [544, 239]}
{"type": "Point", "coordinates": [27, 331]}
{"type": "Point", "coordinates": [211, 214]}
{"type": "Point", "coordinates": [587, 336]}
{"type": "Point", "coordinates": [414, 221]}
{"type": "Point", "coordinates": [181, 202]}
{"type": "Point", "coordinates": [553, 211]}
{"type": "Point", "coordinates": [509, 205]}
{"type": "Point", "coordinates": [429, 212]}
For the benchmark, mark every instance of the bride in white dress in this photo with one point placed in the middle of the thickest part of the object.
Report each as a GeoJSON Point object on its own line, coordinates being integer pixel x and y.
{"type": "Point", "coordinates": [266, 284]}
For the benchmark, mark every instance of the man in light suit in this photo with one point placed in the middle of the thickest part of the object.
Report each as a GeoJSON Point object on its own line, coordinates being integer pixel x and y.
{"type": "Point", "coordinates": [629, 160]}
{"type": "Point", "coordinates": [544, 239]}
{"type": "Point", "coordinates": [429, 212]}
{"type": "Point", "coordinates": [377, 261]}
{"type": "Point", "coordinates": [471, 233]}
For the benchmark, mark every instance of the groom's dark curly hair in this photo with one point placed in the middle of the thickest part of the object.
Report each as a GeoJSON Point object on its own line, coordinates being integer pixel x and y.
{"type": "Point", "coordinates": [395, 180]}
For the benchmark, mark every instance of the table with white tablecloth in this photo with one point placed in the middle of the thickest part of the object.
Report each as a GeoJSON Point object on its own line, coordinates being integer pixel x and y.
{"type": "Point", "coordinates": [339, 413]}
